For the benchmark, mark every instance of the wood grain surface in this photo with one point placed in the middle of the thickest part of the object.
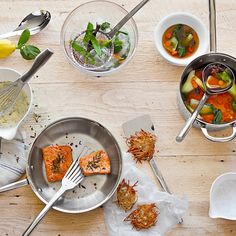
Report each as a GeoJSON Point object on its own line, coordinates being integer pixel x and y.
{"type": "Point", "coordinates": [148, 85]}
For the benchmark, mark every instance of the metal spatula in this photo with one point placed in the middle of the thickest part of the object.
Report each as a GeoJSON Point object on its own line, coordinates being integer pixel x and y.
{"type": "Point", "coordinates": [145, 123]}
{"type": "Point", "coordinates": [9, 94]}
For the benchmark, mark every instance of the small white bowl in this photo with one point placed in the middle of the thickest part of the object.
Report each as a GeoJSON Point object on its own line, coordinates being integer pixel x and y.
{"type": "Point", "coordinates": [7, 74]}
{"type": "Point", "coordinates": [223, 197]}
{"type": "Point", "coordinates": [187, 19]}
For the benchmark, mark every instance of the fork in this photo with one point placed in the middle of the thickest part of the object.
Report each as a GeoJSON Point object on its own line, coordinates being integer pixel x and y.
{"type": "Point", "coordinates": [71, 179]}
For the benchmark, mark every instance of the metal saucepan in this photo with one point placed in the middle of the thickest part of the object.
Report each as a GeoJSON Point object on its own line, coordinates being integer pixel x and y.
{"type": "Point", "coordinates": [201, 62]}
{"type": "Point", "coordinates": [94, 190]}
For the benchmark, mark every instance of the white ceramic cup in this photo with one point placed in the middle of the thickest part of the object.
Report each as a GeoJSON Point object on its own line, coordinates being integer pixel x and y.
{"type": "Point", "coordinates": [222, 197]}
{"type": "Point", "coordinates": [7, 74]}
{"type": "Point", "coordinates": [186, 19]}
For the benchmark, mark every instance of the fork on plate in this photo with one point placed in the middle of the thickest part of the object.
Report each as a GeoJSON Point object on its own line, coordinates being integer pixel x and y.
{"type": "Point", "coordinates": [72, 178]}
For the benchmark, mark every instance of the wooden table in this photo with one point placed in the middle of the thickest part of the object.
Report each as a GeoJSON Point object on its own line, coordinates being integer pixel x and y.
{"type": "Point", "coordinates": [148, 85]}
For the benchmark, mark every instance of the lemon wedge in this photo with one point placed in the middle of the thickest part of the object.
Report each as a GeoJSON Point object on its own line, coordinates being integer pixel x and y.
{"type": "Point", "coordinates": [6, 48]}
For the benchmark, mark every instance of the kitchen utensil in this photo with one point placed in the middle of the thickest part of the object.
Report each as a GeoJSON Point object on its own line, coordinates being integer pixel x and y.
{"type": "Point", "coordinates": [185, 19]}
{"type": "Point", "coordinates": [71, 179]}
{"type": "Point", "coordinates": [78, 132]}
{"type": "Point", "coordinates": [9, 94]}
{"type": "Point", "coordinates": [209, 91]}
{"type": "Point", "coordinates": [202, 62]}
{"type": "Point", "coordinates": [145, 123]}
{"type": "Point", "coordinates": [97, 11]}
{"type": "Point", "coordinates": [9, 132]}
{"type": "Point", "coordinates": [222, 197]}
{"type": "Point", "coordinates": [35, 22]}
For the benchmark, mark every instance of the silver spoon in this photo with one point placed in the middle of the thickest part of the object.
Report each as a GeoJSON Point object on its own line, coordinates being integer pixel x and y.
{"type": "Point", "coordinates": [113, 32]}
{"type": "Point", "coordinates": [209, 92]}
{"type": "Point", "coordinates": [35, 22]}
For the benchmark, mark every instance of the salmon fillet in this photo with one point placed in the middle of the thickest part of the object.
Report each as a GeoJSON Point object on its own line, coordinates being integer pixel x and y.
{"type": "Point", "coordinates": [96, 163]}
{"type": "Point", "coordinates": [57, 160]}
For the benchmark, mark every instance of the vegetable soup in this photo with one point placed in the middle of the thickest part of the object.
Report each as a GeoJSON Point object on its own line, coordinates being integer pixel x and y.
{"type": "Point", "coordinates": [220, 108]}
{"type": "Point", "coordinates": [180, 41]}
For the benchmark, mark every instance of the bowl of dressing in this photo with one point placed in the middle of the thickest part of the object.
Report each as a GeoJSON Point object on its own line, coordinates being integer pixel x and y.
{"type": "Point", "coordinates": [10, 122]}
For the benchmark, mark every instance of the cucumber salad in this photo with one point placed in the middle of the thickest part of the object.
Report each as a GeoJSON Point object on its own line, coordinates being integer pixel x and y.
{"type": "Point", "coordinates": [93, 49]}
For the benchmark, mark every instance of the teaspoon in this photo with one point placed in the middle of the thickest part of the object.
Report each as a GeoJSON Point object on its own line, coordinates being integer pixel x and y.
{"type": "Point", "coordinates": [35, 22]}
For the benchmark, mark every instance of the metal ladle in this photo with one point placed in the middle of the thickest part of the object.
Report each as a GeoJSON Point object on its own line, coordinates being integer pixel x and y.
{"type": "Point", "coordinates": [209, 91]}
{"type": "Point", "coordinates": [35, 22]}
{"type": "Point", "coordinates": [110, 35]}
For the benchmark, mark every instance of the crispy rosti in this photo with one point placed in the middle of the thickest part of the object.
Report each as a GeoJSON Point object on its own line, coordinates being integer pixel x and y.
{"type": "Point", "coordinates": [144, 217]}
{"type": "Point", "coordinates": [126, 195]}
{"type": "Point", "coordinates": [141, 145]}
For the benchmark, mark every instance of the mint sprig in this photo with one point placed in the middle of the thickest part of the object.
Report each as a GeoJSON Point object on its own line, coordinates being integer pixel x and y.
{"type": "Point", "coordinates": [28, 52]}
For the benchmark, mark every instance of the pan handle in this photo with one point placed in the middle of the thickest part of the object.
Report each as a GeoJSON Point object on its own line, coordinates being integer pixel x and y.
{"type": "Point", "coordinates": [219, 139]}
{"type": "Point", "coordinates": [14, 185]}
{"type": "Point", "coordinates": [212, 20]}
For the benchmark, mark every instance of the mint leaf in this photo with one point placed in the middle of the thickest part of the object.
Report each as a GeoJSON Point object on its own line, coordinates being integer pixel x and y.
{"type": "Point", "coordinates": [118, 45]}
{"type": "Point", "coordinates": [24, 38]}
{"type": "Point", "coordinates": [96, 46]}
{"type": "Point", "coordinates": [105, 26]}
{"type": "Point", "coordinates": [29, 52]}
{"type": "Point", "coordinates": [89, 32]}
{"type": "Point", "coordinates": [83, 52]}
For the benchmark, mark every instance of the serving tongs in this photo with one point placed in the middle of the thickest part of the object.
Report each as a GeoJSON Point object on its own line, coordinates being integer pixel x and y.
{"type": "Point", "coordinates": [145, 123]}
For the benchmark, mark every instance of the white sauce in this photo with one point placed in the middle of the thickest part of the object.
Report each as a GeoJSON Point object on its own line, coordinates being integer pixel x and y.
{"type": "Point", "coordinates": [18, 111]}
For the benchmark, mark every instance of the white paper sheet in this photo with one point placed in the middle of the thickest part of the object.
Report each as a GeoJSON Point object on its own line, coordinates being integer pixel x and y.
{"type": "Point", "coordinates": [171, 209]}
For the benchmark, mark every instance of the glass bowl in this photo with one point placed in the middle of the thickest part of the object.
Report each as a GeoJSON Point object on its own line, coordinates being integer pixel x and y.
{"type": "Point", "coordinates": [96, 12]}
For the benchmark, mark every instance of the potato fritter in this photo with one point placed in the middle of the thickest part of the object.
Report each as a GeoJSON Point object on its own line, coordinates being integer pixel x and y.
{"type": "Point", "coordinates": [144, 217]}
{"type": "Point", "coordinates": [126, 195]}
{"type": "Point", "coordinates": [141, 145]}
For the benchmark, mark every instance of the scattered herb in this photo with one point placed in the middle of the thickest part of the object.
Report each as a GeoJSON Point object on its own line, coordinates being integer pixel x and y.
{"type": "Point", "coordinates": [234, 105]}
{"type": "Point", "coordinates": [24, 38]}
{"type": "Point", "coordinates": [76, 46]}
{"type": "Point", "coordinates": [93, 44]}
{"type": "Point", "coordinates": [57, 163]}
{"type": "Point", "coordinates": [28, 52]}
{"type": "Point", "coordinates": [105, 26]}
{"type": "Point", "coordinates": [118, 45]}
{"type": "Point", "coordinates": [225, 76]}
{"type": "Point", "coordinates": [181, 50]}
{"type": "Point", "coordinates": [217, 116]}
{"type": "Point", "coordinates": [36, 117]}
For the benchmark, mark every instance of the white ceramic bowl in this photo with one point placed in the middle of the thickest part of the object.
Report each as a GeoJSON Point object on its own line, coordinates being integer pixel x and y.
{"type": "Point", "coordinates": [187, 19]}
{"type": "Point", "coordinates": [7, 74]}
{"type": "Point", "coordinates": [222, 197]}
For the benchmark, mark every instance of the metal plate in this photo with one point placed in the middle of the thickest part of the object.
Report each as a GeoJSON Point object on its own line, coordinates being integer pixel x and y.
{"type": "Point", "coordinates": [78, 133]}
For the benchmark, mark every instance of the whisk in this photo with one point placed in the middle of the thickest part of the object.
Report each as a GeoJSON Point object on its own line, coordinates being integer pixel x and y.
{"type": "Point", "coordinates": [9, 94]}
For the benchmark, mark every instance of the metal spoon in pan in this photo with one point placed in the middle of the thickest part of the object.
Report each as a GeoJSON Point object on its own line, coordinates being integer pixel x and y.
{"type": "Point", "coordinates": [35, 22]}
{"type": "Point", "coordinates": [228, 81]}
